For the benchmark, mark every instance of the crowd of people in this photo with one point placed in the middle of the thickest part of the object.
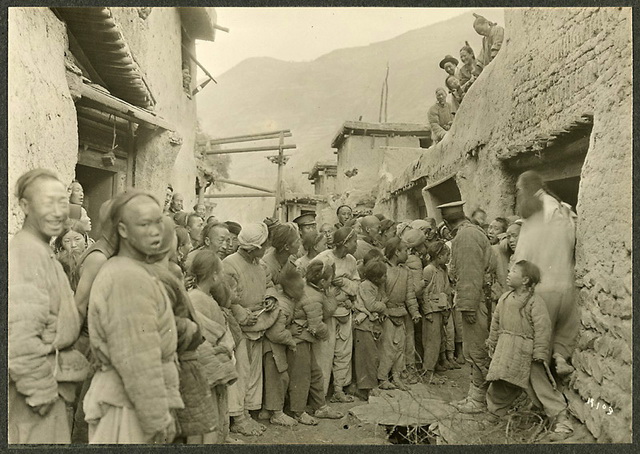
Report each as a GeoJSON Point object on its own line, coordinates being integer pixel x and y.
{"type": "Point", "coordinates": [173, 328]}
{"type": "Point", "coordinates": [460, 77]}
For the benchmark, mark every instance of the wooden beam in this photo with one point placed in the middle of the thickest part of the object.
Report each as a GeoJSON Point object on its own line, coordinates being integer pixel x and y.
{"type": "Point", "coordinates": [559, 151]}
{"type": "Point", "coordinates": [122, 109]}
{"type": "Point", "coordinates": [245, 138]}
{"type": "Point", "coordinates": [244, 185]}
{"type": "Point", "coordinates": [195, 60]}
{"type": "Point", "coordinates": [233, 196]}
{"type": "Point", "coordinates": [250, 149]}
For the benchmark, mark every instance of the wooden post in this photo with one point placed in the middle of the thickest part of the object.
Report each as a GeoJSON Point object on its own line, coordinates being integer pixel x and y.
{"type": "Point", "coordinates": [200, 194]}
{"type": "Point", "coordinates": [278, 208]}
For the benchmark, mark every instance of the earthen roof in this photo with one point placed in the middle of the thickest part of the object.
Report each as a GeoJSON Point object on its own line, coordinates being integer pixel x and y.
{"type": "Point", "coordinates": [199, 22]}
{"type": "Point", "coordinates": [362, 128]}
{"type": "Point", "coordinates": [103, 44]}
{"type": "Point", "coordinates": [322, 165]}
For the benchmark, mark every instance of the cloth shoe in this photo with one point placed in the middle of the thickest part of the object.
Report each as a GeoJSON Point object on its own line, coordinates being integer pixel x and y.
{"type": "Point", "coordinates": [452, 362]}
{"type": "Point", "coordinates": [327, 412]}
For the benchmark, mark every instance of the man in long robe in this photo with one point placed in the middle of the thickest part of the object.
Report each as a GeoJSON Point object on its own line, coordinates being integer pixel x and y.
{"type": "Point", "coordinates": [43, 318]}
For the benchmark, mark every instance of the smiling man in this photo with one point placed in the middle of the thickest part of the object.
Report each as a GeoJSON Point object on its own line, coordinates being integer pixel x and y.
{"type": "Point", "coordinates": [42, 314]}
{"type": "Point", "coordinates": [132, 331]}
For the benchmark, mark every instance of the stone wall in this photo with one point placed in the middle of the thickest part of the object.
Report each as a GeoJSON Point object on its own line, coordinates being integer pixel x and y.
{"type": "Point", "coordinates": [555, 66]}
{"type": "Point", "coordinates": [155, 41]}
{"type": "Point", "coordinates": [46, 136]}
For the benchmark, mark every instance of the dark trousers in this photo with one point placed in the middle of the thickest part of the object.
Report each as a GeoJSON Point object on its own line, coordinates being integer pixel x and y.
{"type": "Point", "coordinates": [80, 432]}
{"type": "Point", "coordinates": [275, 384]}
{"type": "Point", "coordinates": [366, 359]}
{"type": "Point", "coordinates": [306, 382]}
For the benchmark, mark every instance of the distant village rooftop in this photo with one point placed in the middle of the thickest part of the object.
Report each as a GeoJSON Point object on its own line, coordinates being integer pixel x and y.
{"type": "Point", "coordinates": [361, 128]}
{"type": "Point", "coordinates": [330, 167]}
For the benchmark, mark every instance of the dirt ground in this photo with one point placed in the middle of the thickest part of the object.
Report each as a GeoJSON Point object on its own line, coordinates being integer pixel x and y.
{"type": "Point", "coordinates": [521, 426]}
{"type": "Point", "coordinates": [349, 430]}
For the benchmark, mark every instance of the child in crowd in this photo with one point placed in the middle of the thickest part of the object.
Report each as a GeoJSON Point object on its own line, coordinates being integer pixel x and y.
{"type": "Point", "coordinates": [436, 307]}
{"type": "Point", "coordinates": [306, 381]}
{"type": "Point", "coordinates": [279, 337]}
{"type": "Point", "coordinates": [313, 246]}
{"type": "Point", "coordinates": [370, 310]}
{"type": "Point", "coordinates": [519, 347]}
{"type": "Point", "coordinates": [216, 354]}
{"type": "Point", "coordinates": [402, 301]}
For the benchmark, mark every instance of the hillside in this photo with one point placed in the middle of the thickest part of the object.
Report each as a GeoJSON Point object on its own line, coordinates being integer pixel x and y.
{"type": "Point", "coordinates": [313, 99]}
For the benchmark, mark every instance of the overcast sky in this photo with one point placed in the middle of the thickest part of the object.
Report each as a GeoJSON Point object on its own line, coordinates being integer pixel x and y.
{"type": "Point", "coordinates": [303, 34]}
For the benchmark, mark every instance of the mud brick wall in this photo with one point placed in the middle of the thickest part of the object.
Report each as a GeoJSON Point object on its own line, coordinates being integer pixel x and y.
{"type": "Point", "coordinates": [163, 157]}
{"type": "Point", "coordinates": [555, 66]}
{"type": "Point", "coordinates": [586, 66]}
{"type": "Point", "coordinates": [46, 136]}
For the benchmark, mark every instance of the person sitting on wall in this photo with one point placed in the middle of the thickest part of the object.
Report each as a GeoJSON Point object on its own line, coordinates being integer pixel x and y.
{"type": "Point", "coordinates": [455, 90]}
{"type": "Point", "coordinates": [440, 116]}
{"type": "Point", "coordinates": [492, 34]}
{"type": "Point", "coordinates": [470, 68]}
{"type": "Point", "coordinates": [345, 214]}
{"type": "Point", "coordinates": [449, 64]}
{"type": "Point", "coordinates": [177, 202]}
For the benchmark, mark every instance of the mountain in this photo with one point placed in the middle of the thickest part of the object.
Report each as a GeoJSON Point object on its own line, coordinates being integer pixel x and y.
{"type": "Point", "coordinates": [313, 99]}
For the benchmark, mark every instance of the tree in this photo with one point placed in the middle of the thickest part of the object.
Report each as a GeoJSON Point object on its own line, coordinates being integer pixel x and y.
{"type": "Point", "coordinates": [210, 167]}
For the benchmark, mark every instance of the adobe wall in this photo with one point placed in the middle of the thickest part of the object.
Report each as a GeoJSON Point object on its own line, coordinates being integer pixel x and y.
{"type": "Point", "coordinates": [366, 154]}
{"type": "Point", "coordinates": [155, 42]}
{"type": "Point", "coordinates": [42, 124]}
{"type": "Point", "coordinates": [556, 65]}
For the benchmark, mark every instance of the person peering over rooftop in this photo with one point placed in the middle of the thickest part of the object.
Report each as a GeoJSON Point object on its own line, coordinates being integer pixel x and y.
{"type": "Point", "coordinates": [493, 36]}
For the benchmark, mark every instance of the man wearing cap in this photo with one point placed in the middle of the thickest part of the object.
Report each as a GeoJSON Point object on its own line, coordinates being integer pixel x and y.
{"type": "Point", "coordinates": [135, 391]}
{"type": "Point", "coordinates": [250, 281]}
{"type": "Point", "coordinates": [234, 230]}
{"type": "Point", "coordinates": [470, 257]}
{"type": "Point", "coordinates": [492, 38]}
{"type": "Point", "coordinates": [308, 230]}
{"type": "Point", "coordinates": [43, 318]}
{"type": "Point", "coordinates": [449, 64]}
{"type": "Point", "coordinates": [370, 237]}
{"type": "Point", "coordinates": [440, 116]}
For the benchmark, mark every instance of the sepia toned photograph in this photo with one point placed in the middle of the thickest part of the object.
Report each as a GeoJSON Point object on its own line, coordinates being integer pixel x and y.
{"type": "Point", "coordinates": [319, 226]}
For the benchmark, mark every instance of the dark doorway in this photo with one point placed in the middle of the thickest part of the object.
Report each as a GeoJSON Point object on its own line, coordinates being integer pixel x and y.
{"type": "Point", "coordinates": [566, 189]}
{"type": "Point", "coordinates": [98, 187]}
{"type": "Point", "coordinates": [443, 191]}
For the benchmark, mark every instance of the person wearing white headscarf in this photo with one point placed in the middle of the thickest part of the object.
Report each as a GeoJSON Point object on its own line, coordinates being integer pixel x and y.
{"type": "Point", "coordinates": [250, 281]}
